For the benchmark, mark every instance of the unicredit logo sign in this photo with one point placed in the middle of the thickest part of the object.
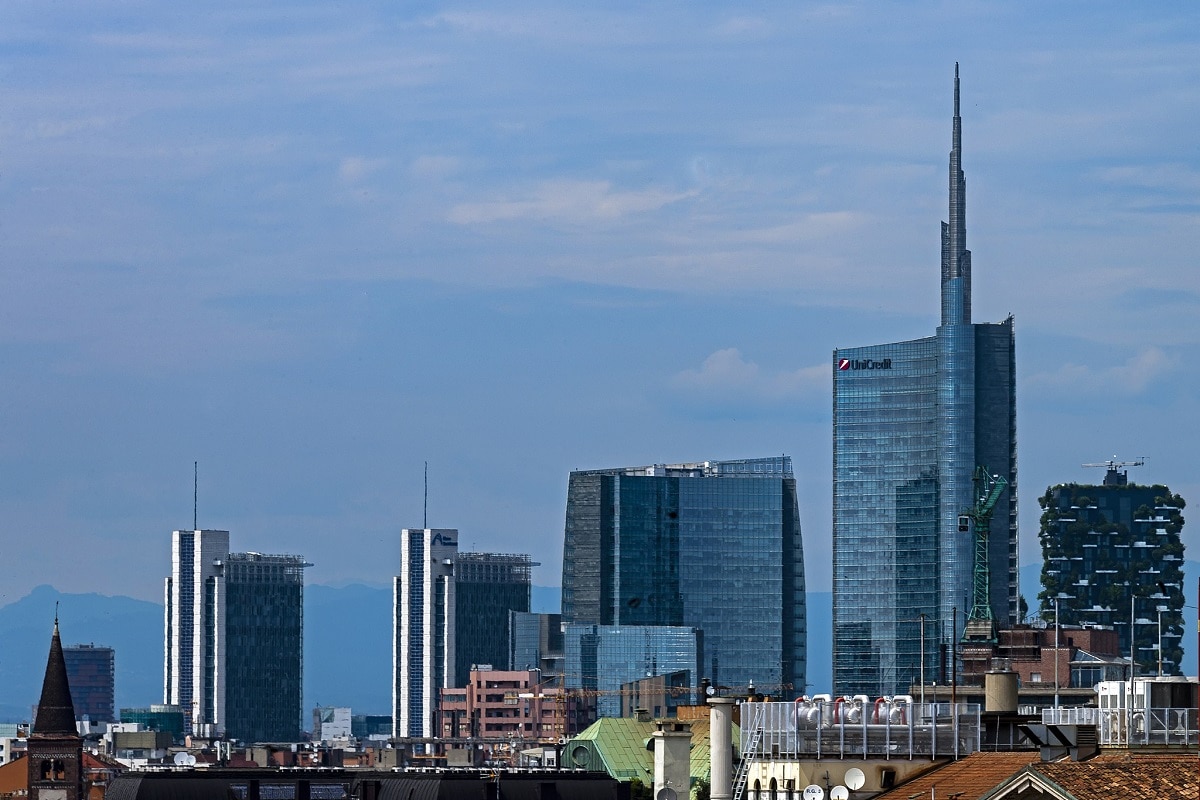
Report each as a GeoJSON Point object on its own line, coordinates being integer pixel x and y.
{"type": "Point", "coordinates": [863, 363]}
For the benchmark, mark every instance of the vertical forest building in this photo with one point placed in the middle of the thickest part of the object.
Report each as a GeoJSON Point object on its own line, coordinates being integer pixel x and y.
{"type": "Point", "coordinates": [1112, 555]}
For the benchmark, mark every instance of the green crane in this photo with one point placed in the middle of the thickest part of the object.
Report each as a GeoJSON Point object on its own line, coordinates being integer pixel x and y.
{"type": "Point", "coordinates": [981, 623]}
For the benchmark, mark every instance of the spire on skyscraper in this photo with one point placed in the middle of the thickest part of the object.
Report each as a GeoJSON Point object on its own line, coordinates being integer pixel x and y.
{"type": "Point", "coordinates": [956, 258]}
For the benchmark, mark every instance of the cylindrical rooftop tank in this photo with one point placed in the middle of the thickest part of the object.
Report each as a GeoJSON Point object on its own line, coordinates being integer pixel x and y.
{"type": "Point", "coordinates": [1000, 691]}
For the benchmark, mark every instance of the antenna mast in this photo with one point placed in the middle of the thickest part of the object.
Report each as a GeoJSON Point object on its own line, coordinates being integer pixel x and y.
{"type": "Point", "coordinates": [425, 513]}
{"type": "Point", "coordinates": [195, 494]}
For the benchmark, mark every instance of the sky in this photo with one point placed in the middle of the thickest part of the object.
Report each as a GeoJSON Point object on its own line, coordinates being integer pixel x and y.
{"type": "Point", "coordinates": [313, 246]}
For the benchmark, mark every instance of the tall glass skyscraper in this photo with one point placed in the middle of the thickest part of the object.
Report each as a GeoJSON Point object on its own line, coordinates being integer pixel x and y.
{"type": "Point", "coordinates": [713, 546]}
{"type": "Point", "coordinates": [264, 639]}
{"type": "Point", "coordinates": [911, 421]}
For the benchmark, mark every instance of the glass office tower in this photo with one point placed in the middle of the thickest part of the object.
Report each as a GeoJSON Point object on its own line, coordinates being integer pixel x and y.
{"type": "Point", "coordinates": [487, 587]}
{"type": "Point", "coordinates": [264, 636]}
{"type": "Point", "coordinates": [713, 546]}
{"type": "Point", "coordinates": [90, 674]}
{"type": "Point", "coordinates": [234, 639]}
{"type": "Point", "coordinates": [600, 659]}
{"type": "Point", "coordinates": [911, 421]}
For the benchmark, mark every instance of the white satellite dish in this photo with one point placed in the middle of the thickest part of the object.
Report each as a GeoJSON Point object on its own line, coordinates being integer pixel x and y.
{"type": "Point", "coordinates": [813, 792]}
{"type": "Point", "coordinates": [839, 792]}
{"type": "Point", "coordinates": [181, 759]}
{"type": "Point", "coordinates": [855, 778]}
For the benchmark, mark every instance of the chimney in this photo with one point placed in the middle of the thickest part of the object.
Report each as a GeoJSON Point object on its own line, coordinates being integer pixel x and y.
{"type": "Point", "coordinates": [672, 760]}
{"type": "Point", "coordinates": [720, 732]}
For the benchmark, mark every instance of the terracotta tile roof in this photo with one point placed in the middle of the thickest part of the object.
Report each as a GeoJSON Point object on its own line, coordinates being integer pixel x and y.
{"type": "Point", "coordinates": [974, 776]}
{"type": "Point", "coordinates": [1175, 775]}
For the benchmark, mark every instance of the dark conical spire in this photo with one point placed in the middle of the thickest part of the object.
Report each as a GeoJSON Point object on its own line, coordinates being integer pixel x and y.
{"type": "Point", "coordinates": [56, 712]}
{"type": "Point", "coordinates": [956, 258]}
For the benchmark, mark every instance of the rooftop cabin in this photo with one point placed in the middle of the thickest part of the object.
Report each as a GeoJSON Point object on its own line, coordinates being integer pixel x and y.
{"type": "Point", "coordinates": [1159, 711]}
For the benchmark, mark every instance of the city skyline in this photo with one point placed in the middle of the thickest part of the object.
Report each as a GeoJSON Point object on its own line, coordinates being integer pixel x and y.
{"type": "Point", "coordinates": [314, 249]}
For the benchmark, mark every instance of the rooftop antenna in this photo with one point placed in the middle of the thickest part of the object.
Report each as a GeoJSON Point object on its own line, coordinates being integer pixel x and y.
{"type": "Point", "coordinates": [425, 513]}
{"type": "Point", "coordinates": [195, 494]}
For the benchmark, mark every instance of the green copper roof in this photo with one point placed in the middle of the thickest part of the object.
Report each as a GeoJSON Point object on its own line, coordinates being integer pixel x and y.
{"type": "Point", "coordinates": [619, 746]}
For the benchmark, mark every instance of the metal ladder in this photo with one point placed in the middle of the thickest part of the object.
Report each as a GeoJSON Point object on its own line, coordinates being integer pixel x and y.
{"type": "Point", "coordinates": [749, 753]}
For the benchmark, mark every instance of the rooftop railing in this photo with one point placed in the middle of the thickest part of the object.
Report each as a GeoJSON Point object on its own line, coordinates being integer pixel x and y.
{"type": "Point", "coordinates": [888, 728]}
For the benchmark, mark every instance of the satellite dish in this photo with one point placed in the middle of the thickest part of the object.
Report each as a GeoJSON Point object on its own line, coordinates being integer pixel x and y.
{"type": "Point", "coordinates": [813, 792]}
{"type": "Point", "coordinates": [181, 759]}
{"type": "Point", "coordinates": [839, 792]}
{"type": "Point", "coordinates": [855, 778]}
{"type": "Point", "coordinates": [666, 793]}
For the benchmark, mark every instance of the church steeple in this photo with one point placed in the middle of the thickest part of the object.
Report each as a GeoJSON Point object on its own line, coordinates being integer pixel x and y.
{"type": "Point", "coordinates": [56, 711]}
{"type": "Point", "coordinates": [55, 749]}
{"type": "Point", "coordinates": [956, 258]}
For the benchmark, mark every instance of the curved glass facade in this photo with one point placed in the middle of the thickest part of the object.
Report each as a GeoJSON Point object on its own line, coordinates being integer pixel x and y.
{"type": "Point", "coordinates": [714, 546]}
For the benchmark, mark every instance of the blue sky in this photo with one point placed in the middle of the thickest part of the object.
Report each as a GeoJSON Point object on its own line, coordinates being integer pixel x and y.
{"type": "Point", "coordinates": [313, 246]}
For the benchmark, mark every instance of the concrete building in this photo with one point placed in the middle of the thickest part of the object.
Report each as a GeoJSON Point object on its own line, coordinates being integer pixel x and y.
{"type": "Point", "coordinates": [233, 639]}
{"type": "Point", "coordinates": [331, 723]}
{"type": "Point", "coordinates": [912, 421]}
{"type": "Point", "coordinates": [713, 546]}
{"type": "Point", "coordinates": [511, 706]}
{"type": "Point", "coordinates": [450, 612]}
{"type": "Point", "coordinates": [1113, 558]}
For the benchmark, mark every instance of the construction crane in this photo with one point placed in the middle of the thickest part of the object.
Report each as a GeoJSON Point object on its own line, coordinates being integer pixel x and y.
{"type": "Point", "coordinates": [1112, 477]}
{"type": "Point", "coordinates": [981, 623]}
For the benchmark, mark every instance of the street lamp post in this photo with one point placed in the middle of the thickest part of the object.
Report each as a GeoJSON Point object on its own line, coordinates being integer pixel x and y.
{"type": "Point", "coordinates": [922, 659]}
{"type": "Point", "coordinates": [1056, 598]}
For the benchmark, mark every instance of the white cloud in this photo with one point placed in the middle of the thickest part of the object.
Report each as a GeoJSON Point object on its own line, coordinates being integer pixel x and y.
{"type": "Point", "coordinates": [1163, 177]}
{"type": "Point", "coordinates": [570, 201]}
{"type": "Point", "coordinates": [1133, 377]}
{"type": "Point", "coordinates": [355, 169]}
{"type": "Point", "coordinates": [744, 28]}
{"type": "Point", "coordinates": [727, 374]}
{"type": "Point", "coordinates": [434, 166]}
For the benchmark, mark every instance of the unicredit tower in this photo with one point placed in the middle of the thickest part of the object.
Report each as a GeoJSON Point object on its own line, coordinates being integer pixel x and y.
{"type": "Point", "coordinates": [911, 421]}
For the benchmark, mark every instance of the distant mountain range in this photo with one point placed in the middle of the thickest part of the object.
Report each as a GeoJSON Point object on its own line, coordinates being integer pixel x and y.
{"type": "Point", "coordinates": [347, 645]}
{"type": "Point", "coordinates": [347, 642]}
